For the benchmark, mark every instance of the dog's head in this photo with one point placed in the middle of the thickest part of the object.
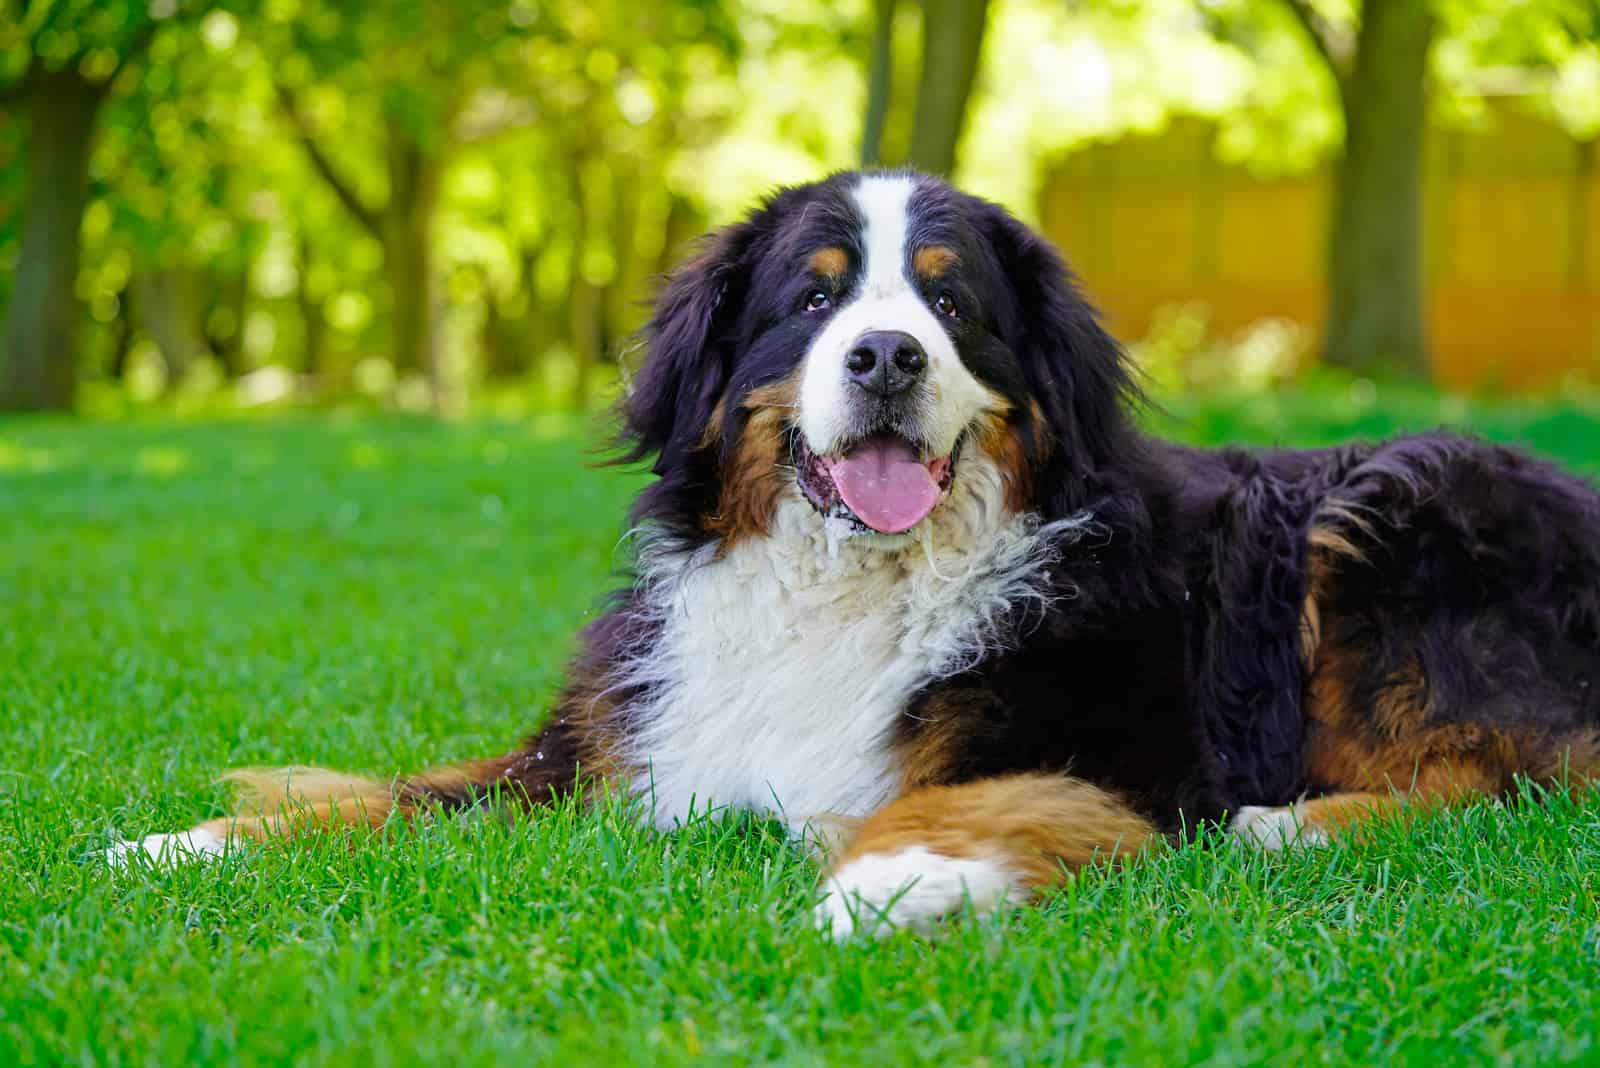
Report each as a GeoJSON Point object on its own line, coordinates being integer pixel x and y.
{"type": "Point", "coordinates": [854, 343]}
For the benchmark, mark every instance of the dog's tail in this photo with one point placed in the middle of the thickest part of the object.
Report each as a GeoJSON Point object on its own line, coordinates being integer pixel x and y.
{"type": "Point", "coordinates": [292, 801]}
{"type": "Point", "coordinates": [272, 801]}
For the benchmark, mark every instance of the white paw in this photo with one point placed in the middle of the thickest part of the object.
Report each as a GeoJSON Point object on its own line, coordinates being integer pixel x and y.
{"type": "Point", "coordinates": [910, 888]}
{"type": "Point", "coordinates": [183, 847]}
{"type": "Point", "coordinates": [1273, 829]}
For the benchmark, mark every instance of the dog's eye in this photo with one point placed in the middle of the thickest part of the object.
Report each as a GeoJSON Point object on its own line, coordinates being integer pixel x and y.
{"type": "Point", "coordinates": [945, 305]}
{"type": "Point", "coordinates": [817, 300]}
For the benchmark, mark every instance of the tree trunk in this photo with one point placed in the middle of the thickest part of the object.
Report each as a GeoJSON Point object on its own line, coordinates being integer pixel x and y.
{"type": "Point", "coordinates": [683, 225]}
{"type": "Point", "coordinates": [167, 310]}
{"type": "Point", "coordinates": [1375, 313]}
{"type": "Point", "coordinates": [952, 40]}
{"type": "Point", "coordinates": [500, 340]}
{"type": "Point", "coordinates": [527, 335]}
{"type": "Point", "coordinates": [224, 325]}
{"type": "Point", "coordinates": [407, 250]}
{"type": "Point", "coordinates": [880, 77]}
{"type": "Point", "coordinates": [586, 312]}
{"type": "Point", "coordinates": [583, 298]}
{"type": "Point", "coordinates": [313, 322]}
{"type": "Point", "coordinates": [630, 284]}
{"type": "Point", "coordinates": [37, 362]}
{"type": "Point", "coordinates": [122, 340]}
{"type": "Point", "coordinates": [544, 328]}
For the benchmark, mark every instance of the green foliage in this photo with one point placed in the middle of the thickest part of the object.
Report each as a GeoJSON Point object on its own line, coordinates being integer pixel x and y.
{"type": "Point", "coordinates": [563, 155]}
{"type": "Point", "coordinates": [95, 36]}
{"type": "Point", "coordinates": [1547, 51]}
{"type": "Point", "coordinates": [261, 143]}
{"type": "Point", "coordinates": [379, 594]}
{"type": "Point", "coordinates": [1058, 75]}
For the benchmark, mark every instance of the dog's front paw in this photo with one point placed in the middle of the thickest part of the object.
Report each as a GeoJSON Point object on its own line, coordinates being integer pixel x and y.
{"type": "Point", "coordinates": [1272, 829]}
{"type": "Point", "coordinates": [914, 887]}
{"type": "Point", "coordinates": [183, 847]}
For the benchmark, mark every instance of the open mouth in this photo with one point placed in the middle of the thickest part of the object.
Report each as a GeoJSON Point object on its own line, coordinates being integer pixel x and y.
{"type": "Point", "coordinates": [880, 484]}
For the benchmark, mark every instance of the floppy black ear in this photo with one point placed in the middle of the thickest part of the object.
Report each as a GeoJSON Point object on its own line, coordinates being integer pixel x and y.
{"type": "Point", "coordinates": [689, 352]}
{"type": "Point", "coordinates": [688, 345]}
{"type": "Point", "coordinates": [1076, 371]}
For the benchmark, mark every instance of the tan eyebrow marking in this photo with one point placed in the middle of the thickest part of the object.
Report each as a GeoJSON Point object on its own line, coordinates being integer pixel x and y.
{"type": "Point", "coordinates": [829, 261]}
{"type": "Point", "coordinates": [934, 260]}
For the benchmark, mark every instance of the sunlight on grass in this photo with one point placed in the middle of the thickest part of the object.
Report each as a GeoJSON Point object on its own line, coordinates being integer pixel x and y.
{"type": "Point", "coordinates": [14, 457]}
{"type": "Point", "coordinates": [161, 461]}
{"type": "Point", "coordinates": [553, 426]}
{"type": "Point", "coordinates": [365, 455]}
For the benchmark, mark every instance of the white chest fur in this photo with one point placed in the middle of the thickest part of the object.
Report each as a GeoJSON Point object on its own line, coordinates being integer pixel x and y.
{"type": "Point", "coordinates": [781, 667]}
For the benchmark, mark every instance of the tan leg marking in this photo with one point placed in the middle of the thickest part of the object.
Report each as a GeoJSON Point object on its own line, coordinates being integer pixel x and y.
{"type": "Point", "coordinates": [988, 842]}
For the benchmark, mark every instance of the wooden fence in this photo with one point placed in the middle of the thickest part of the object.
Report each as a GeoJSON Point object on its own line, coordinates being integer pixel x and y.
{"type": "Point", "coordinates": [1512, 232]}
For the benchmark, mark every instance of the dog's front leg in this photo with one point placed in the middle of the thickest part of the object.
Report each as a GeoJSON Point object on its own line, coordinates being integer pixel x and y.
{"type": "Point", "coordinates": [988, 842]}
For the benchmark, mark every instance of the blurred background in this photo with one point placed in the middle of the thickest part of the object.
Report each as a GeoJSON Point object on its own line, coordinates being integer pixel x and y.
{"type": "Point", "coordinates": [456, 205]}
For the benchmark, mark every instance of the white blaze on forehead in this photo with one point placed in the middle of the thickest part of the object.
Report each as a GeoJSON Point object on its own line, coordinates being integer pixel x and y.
{"type": "Point", "coordinates": [886, 299]}
{"type": "Point", "coordinates": [885, 205]}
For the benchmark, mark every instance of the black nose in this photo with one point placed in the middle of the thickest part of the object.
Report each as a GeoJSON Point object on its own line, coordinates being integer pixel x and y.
{"type": "Point", "coordinates": [886, 362]}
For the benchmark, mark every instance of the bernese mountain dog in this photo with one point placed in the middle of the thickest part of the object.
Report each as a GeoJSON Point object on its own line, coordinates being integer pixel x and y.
{"type": "Point", "coordinates": [910, 574]}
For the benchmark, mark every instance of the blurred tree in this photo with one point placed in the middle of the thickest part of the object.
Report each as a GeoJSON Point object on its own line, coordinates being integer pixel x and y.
{"type": "Point", "coordinates": [561, 120]}
{"type": "Point", "coordinates": [401, 223]}
{"type": "Point", "coordinates": [880, 81]}
{"type": "Point", "coordinates": [168, 223]}
{"type": "Point", "coordinates": [952, 43]}
{"type": "Point", "coordinates": [1376, 54]}
{"type": "Point", "coordinates": [450, 187]}
{"type": "Point", "coordinates": [58, 63]}
{"type": "Point", "coordinates": [417, 64]}
{"type": "Point", "coordinates": [1289, 85]}
{"type": "Point", "coordinates": [609, 97]}
{"type": "Point", "coordinates": [1375, 243]}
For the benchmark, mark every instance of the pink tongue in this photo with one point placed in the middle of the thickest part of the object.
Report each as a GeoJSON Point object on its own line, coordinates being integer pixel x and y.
{"type": "Point", "coordinates": [885, 485]}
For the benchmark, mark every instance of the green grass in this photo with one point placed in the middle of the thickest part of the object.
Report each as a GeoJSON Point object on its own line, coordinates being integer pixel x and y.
{"type": "Point", "coordinates": [179, 598]}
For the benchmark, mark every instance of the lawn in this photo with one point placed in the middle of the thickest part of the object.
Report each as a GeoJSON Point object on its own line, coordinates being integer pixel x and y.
{"type": "Point", "coordinates": [377, 594]}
